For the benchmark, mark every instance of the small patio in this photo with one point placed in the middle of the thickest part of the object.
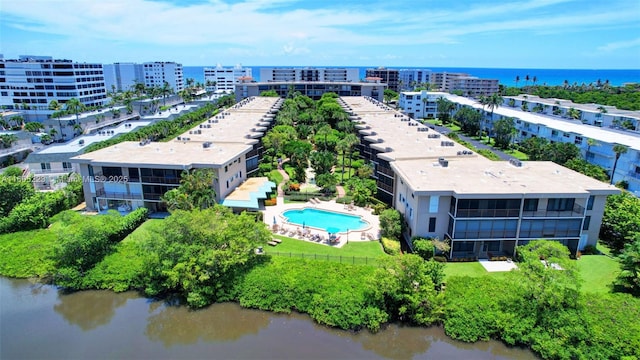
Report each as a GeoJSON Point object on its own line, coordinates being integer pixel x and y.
{"type": "Point", "coordinates": [274, 219]}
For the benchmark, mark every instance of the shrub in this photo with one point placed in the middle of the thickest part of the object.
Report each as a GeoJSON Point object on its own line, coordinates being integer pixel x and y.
{"type": "Point", "coordinates": [423, 247]}
{"type": "Point", "coordinates": [378, 208]}
{"type": "Point", "coordinates": [294, 186]}
{"type": "Point", "coordinates": [440, 258]}
{"type": "Point", "coordinates": [344, 200]}
{"type": "Point", "coordinates": [590, 250]}
{"type": "Point", "coordinates": [390, 246]}
{"type": "Point", "coordinates": [391, 224]}
{"type": "Point", "coordinates": [498, 258]}
{"type": "Point", "coordinates": [270, 202]}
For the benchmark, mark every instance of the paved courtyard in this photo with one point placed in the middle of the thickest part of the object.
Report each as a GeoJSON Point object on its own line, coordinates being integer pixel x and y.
{"type": "Point", "coordinates": [295, 231]}
{"type": "Point", "coordinates": [495, 266]}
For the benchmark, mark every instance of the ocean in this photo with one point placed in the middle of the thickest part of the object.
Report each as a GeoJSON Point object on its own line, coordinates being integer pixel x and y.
{"type": "Point", "coordinates": [505, 76]}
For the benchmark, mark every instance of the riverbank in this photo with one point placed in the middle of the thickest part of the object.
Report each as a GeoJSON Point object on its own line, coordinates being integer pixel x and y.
{"type": "Point", "coordinates": [366, 296]}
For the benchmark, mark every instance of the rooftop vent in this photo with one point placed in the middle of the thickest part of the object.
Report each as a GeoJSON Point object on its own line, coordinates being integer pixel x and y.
{"type": "Point", "coordinates": [443, 162]}
{"type": "Point", "coordinates": [515, 162]}
{"type": "Point", "coordinates": [206, 145]}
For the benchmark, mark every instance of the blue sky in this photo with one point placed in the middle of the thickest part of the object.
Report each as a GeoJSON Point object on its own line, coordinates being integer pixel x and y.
{"type": "Point", "coordinates": [589, 34]}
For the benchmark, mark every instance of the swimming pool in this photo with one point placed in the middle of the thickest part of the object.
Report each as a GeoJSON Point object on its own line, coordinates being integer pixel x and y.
{"type": "Point", "coordinates": [325, 220]}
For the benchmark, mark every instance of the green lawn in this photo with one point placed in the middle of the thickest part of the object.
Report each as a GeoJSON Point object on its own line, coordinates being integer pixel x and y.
{"type": "Point", "coordinates": [517, 154]}
{"type": "Point", "coordinates": [371, 249]}
{"type": "Point", "coordinates": [597, 272]}
{"type": "Point", "coordinates": [453, 127]}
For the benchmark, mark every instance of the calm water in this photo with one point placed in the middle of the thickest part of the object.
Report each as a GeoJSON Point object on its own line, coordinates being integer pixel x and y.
{"type": "Point", "coordinates": [327, 220]}
{"type": "Point", "coordinates": [38, 322]}
{"type": "Point", "coordinates": [505, 76]}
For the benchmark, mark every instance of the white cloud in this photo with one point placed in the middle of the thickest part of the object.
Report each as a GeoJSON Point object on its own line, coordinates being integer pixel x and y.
{"type": "Point", "coordinates": [620, 45]}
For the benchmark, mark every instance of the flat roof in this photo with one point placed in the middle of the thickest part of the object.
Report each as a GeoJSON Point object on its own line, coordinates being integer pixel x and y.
{"type": "Point", "coordinates": [173, 154]}
{"type": "Point", "coordinates": [243, 123]}
{"type": "Point", "coordinates": [589, 131]}
{"type": "Point", "coordinates": [483, 176]}
{"type": "Point", "coordinates": [397, 136]}
{"type": "Point", "coordinates": [225, 140]}
{"type": "Point", "coordinates": [247, 194]}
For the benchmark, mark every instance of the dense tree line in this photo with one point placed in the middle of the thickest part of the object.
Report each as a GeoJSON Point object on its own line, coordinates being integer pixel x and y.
{"type": "Point", "coordinates": [622, 97]}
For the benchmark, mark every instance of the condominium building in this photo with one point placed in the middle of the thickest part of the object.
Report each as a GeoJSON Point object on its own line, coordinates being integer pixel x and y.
{"type": "Point", "coordinates": [224, 79]}
{"type": "Point", "coordinates": [30, 83]}
{"type": "Point", "coordinates": [312, 89]}
{"type": "Point", "coordinates": [420, 104]}
{"type": "Point", "coordinates": [596, 143]}
{"type": "Point", "coordinates": [131, 174]}
{"type": "Point", "coordinates": [591, 114]}
{"type": "Point", "coordinates": [122, 76]}
{"type": "Point", "coordinates": [391, 77]}
{"type": "Point", "coordinates": [158, 72]}
{"type": "Point", "coordinates": [468, 85]}
{"type": "Point", "coordinates": [309, 74]}
{"type": "Point", "coordinates": [484, 208]}
{"type": "Point", "coordinates": [409, 79]}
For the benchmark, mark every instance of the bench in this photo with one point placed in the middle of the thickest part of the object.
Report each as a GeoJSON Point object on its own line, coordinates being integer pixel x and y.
{"type": "Point", "coordinates": [278, 241]}
{"type": "Point", "coordinates": [272, 243]}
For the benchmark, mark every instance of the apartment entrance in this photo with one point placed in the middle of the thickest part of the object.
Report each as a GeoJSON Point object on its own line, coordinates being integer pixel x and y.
{"type": "Point", "coordinates": [489, 249]}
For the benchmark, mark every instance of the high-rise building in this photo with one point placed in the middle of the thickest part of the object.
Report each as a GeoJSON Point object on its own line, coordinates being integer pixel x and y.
{"type": "Point", "coordinates": [122, 76]}
{"type": "Point", "coordinates": [30, 83]}
{"type": "Point", "coordinates": [224, 78]}
{"type": "Point", "coordinates": [390, 77]}
{"type": "Point", "coordinates": [310, 74]}
{"type": "Point", "coordinates": [468, 85]}
{"type": "Point", "coordinates": [409, 79]}
{"type": "Point", "coordinates": [158, 72]}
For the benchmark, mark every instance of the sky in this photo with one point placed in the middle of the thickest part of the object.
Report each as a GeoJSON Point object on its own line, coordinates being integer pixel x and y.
{"type": "Point", "coordinates": [561, 34]}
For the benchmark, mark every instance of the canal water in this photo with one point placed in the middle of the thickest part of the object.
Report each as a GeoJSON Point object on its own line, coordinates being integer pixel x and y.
{"type": "Point", "coordinates": [38, 321]}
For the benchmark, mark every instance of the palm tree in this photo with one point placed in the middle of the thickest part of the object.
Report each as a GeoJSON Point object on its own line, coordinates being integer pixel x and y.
{"type": "Point", "coordinates": [619, 150]}
{"type": "Point", "coordinates": [574, 114]}
{"type": "Point", "coordinates": [526, 79]}
{"type": "Point", "coordinates": [590, 142]}
{"type": "Point", "coordinates": [534, 80]}
{"type": "Point", "coordinates": [517, 80]}
{"type": "Point", "coordinates": [165, 91]}
{"type": "Point", "coordinates": [492, 102]}
{"type": "Point", "coordinates": [74, 106]}
{"type": "Point", "coordinates": [342, 147]}
{"type": "Point", "coordinates": [351, 140]}
{"type": "Point", "coordinates": [56, 107]}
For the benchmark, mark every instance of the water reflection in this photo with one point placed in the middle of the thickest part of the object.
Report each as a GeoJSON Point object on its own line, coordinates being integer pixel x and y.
{"type": "Point", "coordinates": [177, 325]}
{"type": "Point", "coordinates": [90, 309]}
{"type": "Point", "coordinates": [397, 342]}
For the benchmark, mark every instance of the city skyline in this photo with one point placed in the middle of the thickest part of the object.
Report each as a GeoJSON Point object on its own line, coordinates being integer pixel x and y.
{"type": "Point", "coordinates": [527, 34]}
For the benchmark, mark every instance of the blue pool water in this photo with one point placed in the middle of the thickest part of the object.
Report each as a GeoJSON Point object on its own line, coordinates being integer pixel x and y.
{"type": "Point", "coordinates": [325, 220]}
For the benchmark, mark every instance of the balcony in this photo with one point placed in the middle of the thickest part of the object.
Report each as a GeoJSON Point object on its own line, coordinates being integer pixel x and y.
{"type": "Point", "coordinates": [491, 213]}
{"type": "Point", "coordinates": [577, 211]}
{"type": "Point", "coordinates": [160, 180]}
{"type": "Point", "coordinates": [117, 195]}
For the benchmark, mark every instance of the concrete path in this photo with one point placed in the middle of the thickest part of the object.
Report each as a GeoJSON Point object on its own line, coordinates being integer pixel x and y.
{"type": "Point", "coordinates": [285, 177]}
{"type": "Point", "coordinates": [478, 144]}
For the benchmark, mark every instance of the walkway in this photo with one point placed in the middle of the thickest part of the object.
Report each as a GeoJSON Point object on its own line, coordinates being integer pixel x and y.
{"type": "Point", "coordinates": [478, 144]}
{"type": "Point", "coordinates": [285, 178]}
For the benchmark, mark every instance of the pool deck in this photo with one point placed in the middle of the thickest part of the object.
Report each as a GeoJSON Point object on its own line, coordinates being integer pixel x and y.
{"type": "Point", "coordinates": [294, 230]}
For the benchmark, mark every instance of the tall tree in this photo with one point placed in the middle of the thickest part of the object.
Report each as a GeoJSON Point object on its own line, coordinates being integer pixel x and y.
{"type": "Point", "coordinates": [445, 107]}
{"type": "Point", "coordinates": [629, 277]}
{"type": "Point", "coordinates": [56, 107]}
{"type": "Point", "coordinates": [619, 150]}
{"type": "Point", "coordinates": [195, 191]}
{"type": "Point", "coordinates": [165, 91]}
{"type": "Point", "coordinates": [517, 80]}
{"type": "Point", "coordinates": [504, 131]}
{"type": "Point", "coordinates": [74, 106]}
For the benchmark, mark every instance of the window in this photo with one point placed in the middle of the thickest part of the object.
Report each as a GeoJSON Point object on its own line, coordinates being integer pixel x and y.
{"type": "Point", "coordinates": [45, 166]}
{"type": "Point", "coordinates": [586, 223]}
{"type": "Point", "coordinates": [578, 140]}
{"type": "Point", "coordinates": [463, 246]}
{"type": "Point", "coordinates": [530, 204]}
{"type": "Point", "coordinates": [66, 165]}
{"type": "Point", "coordinates": [432, 224]}
{"type": "Point", "coordinates": [590, 202]}
{"type": "Point", "coordinates": [562, 204]}
{"type": "Point", "coordinates": [226, 168]}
